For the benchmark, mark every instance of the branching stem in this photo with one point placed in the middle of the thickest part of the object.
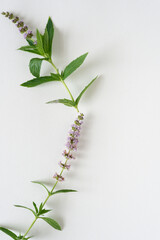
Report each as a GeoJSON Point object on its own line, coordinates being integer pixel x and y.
{"type": "Point", "coordinates": [49, 194]}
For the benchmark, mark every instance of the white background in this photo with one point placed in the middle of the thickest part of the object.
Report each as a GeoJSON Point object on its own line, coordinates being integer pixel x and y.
{"type": "Point", "coordinates": [117, 171]}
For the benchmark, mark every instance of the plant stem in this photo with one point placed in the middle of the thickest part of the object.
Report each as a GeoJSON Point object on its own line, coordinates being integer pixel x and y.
{"type": "Point", "coordinates": [49, 195]}
{"type": "Point", "coordinates": [63, 82]}
{"type": "Point", "coordinates": [30, 227]}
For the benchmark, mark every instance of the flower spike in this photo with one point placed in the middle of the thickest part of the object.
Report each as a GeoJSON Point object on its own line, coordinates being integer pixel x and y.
{"type": "Point", "coordinates": [20, 24]}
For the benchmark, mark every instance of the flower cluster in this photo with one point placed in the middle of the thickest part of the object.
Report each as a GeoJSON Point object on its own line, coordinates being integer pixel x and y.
{"type": "Point", "coordinates": [20, 24]}
{"type": "Point", "coordinates": [71, 145]}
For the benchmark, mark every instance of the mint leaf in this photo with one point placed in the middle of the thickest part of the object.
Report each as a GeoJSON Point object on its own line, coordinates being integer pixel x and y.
{"type": "Point", "coordinates": [20, 206]}
{"type": "Point", "coordinates": [46, 42]}
{"type": "Point", "coordinates": [9, 233]}
{"type": "Point", "coordinates": [83, 91]}
{"type": "Point", "coordinates": [35, 207]}
{"type": "Point", "coordinates": [40, 43]}
{"type": "Point", "coordinates": [52, 223]}
{"type": "Point", "coordinates": [50, 30]}
{"type": "Point", "coordinates": [73, 65]}
{"type": "Point", "coordinates": [37, 81]}
{"type": "Point", "coordinates": [64, 101]}
{"type": "Point", "coordinates": [30, 49]}
{"type": "Point", "coordinates": [43, 211]}
{"type": "Point", "coordinates": [64, 191]}
{"type": "Point", "coordinates": [35, 66]}
{"type": "Point", "coordinates": [41, 185]}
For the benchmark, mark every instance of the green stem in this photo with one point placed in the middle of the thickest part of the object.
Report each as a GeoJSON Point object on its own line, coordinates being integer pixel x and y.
{"type": "Point", "coordinates": [49, 195]}
{"type": "Point", "coordinates": [63, 82]}
{"type": "Point", "coordinates": [30, 227]}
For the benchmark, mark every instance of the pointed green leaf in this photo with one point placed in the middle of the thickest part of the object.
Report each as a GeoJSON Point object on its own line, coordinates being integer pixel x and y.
{"type": "Point", "coordinates": [35, 66]}
{"type": "Point", "coordinates": [20, 206]}
{"type": "Point", "coordinates": [52, 223]}
{"type": "Point", "coordinates": [46, 42]}
{"type": "Point", "coordinates": [9, 233]}
{"type": "Point", "coordinates": [40, 43]}
{"type": "Point", "coordinates": [35, 206]}
{"type": "Point", "coordinates": [64, 191]}
{"type": "Point", "coordinates": [83, 91]}
{"type": "Point", "coordinates": [41, 185]}
{"type": "Point", "coordinates": [30, 49]}
{"type": "Point", "coordinates": [64, 101]}
{"type": "Point", "coordinates": [37, 81]}
{"type": "Point", "coordinates": [31, 42]}
{"type": "Point", "coordinates": [40, 207]}
{"type": "Point", "coordinates": [74, 65]}
{"type": "Point", "coordinates": [50, 30]}
{"type": "Point", "coordinates": [43, 211]}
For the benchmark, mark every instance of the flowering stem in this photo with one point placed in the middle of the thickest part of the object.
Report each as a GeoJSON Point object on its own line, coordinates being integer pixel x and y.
{"type": "Point", "coordinates": [49, 195]}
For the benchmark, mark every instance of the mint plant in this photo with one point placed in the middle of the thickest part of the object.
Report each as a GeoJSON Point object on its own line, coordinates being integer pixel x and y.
{"type": "Point", "coordinates": [41, 45]}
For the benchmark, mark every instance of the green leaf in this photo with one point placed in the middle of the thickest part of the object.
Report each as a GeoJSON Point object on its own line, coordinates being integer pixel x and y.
{"type": "Point", "coordinates": [40, 43]}
{"type": "Point", "coordinates": [55, 76]}
{"type": "Point", "coordinates": [37, 81]}
{"type": "Point", "coordinates": [46, 42]}
{"type": "Point", "coordinates": [41, 185]}
{"type": "Point", "coordinates": [43, 211]}
{"type": "Point", "coordinates": [9, 233]}
{"type": "Point", "coordinates": [40, 207]}
{"type": "Point", "coordinates": [30, 42]}
{"type": "Point", "coordinates": [64, 101]}
{"type": "Point", "coordinates": [20, 206]}
{"type": "Point", "coordinates": [50, 30]}
{"type": "Point", "coordinates": [52, 223]}
{"type": "Point", "coordinates": [35, 206]}
{"type": "Point", "coordinates": [64, 191]}
{"type": "Point", "coordinates": [30, 49]}
{"type": "Point", "coordinates": [73, 65]}
{"type": "Point", "coordinates": [83, 91]}
{"type": "Point", "coordinates": [35, 66]}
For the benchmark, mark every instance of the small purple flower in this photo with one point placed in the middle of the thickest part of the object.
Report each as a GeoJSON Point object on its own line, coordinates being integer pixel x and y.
{"type": "Point", "coordinates": [23, 29]}
{"type": "Point", "coordinates": [10, 16]}
{"type": "Point", "coordinates": [72, 140]}
{"type": "Point", "coordinates": [68, 155]}
{"type": "Point", "coordinates": [78, 122]}
{"type": "Point", "coordinates": [75, 127]}
{"type": "Point", "coordinates": [25, 35]}
{"type": "Point", "coordinates": [35, 42]}
{"type": "Point", "coordinates": [74, 133]}
{"type": "Point", "coordinates": [58, 177]}
{"type": "Point", "coordinates": [28, 34]}
{"type": "Point", "coordinates": [20, 24]}
{"type": "Point", "coordinates": [65, 166]}
{"type": "Point", "coordinates": [7, 14]}
{"type": "Point", "coordinates": [81, 116]}
{"type": "Point", "coordinates": [70, 146]}
{"type": "Point", "coordinates": [16, 19]}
